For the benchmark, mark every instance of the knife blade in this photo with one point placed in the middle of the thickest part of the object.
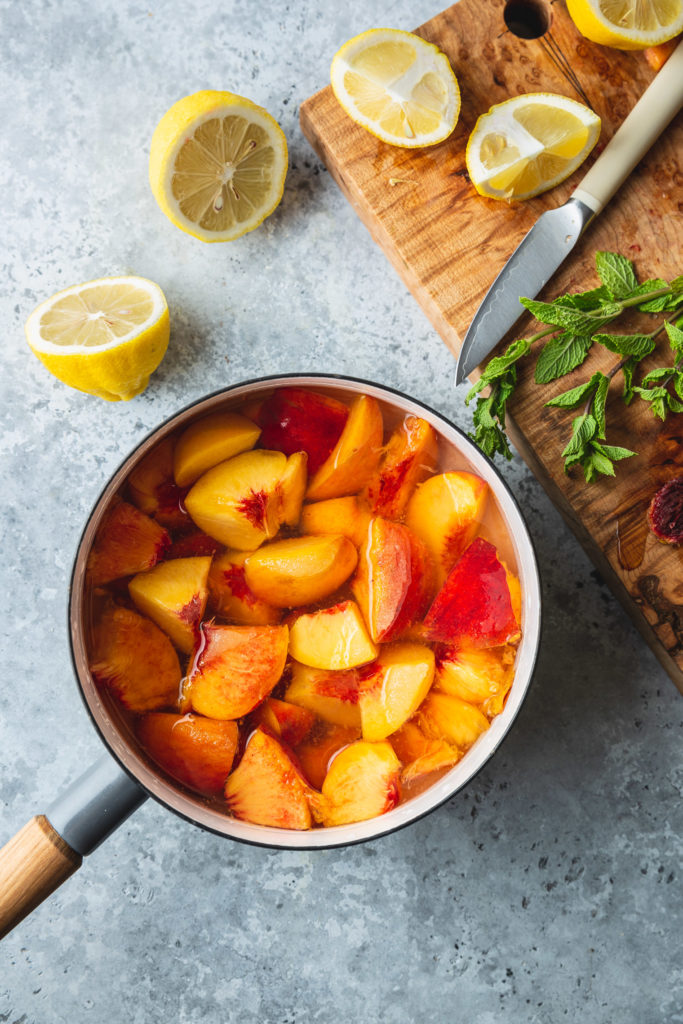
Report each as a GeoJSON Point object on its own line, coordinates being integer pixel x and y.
{"type": "Point", "coordinates": [546, 246]}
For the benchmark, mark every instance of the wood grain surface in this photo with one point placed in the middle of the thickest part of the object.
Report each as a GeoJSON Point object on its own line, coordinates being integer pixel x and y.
{"type": "Point", "coordinates": [448, 243]}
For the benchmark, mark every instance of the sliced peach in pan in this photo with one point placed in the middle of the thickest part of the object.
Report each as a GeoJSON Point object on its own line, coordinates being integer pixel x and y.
{"type": "Point", "coordinates": [391, 689]}
{"type": "Point", "coordinates": [394, 580]}
{"type": "Point", "coordinates": [474, 607]}
{"type": "Point", "coordinates": [211, 440]}
{"type": "Point", "coordinates": [316, 752]}
{"type": "Point", "coordinates": [153, 489]}
{"type": "Point", "coordinates": [174, 594]}
{"type": "Point", "coordinates": [362, 782]}
{"type": "Point", "coordinates": [239, 501]}
{"type": "Point", "coordinates": [294, 419]}
{"type": "Point", "coordinates": [334, 638]}
{"type": "Point", "coordinates": [127, 542]}
{"type": "Point", "coordinates": [449, 718]}
{"type": "Point", "coordinates": [293, 487]}
{"type": "Point", "coordinates": [300, 570]}
{"type": "Point", "coordinates": [446, 512]}
{"type": "Point", "coordinates": [267, 788]}
{"type": "Point", "coordinates": [288, 721]}
{"type": "Point", "coordinates": [231, 597]}
{"type": "Point", "coordinates": [333, 696]}
{"type": "Point", "coordinates": [197, 751]}
{"type": "Point", "coordinates": [419, 754]}
{"type": "Point", "coordinates": [192, 545]}
{"type": "Point", "coordinates": [346, 516]}
{"type": "Point", "coordinates": [354, 458]}
{"type": "Point", "coordinates": [481, 676]}
{"type": "Point", "coordinates": [135, 660]}
{"type": "Point", "coordinates": [408, 458]}
{"type": "Point", "coordinates": [235, 668]}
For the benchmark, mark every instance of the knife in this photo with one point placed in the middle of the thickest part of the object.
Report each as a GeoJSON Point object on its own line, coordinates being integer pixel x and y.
{"type": "Point", "coordinates": [556, 232]}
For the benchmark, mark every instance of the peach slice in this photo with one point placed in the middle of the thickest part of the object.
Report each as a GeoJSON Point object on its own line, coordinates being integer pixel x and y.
{"type": "Point", "coordinates": [127, 542]}
{"type": "Point", "coordinates": [153, 490]}
{"type": "Point", "coordinates": [197, 751]}
{"type": "Point", "coordinates": [421, 755]}
{"type": "Point", "coordinates": [173, 594]}
{"type": "Point", "coordinates": [480, 676]}
{"type": "Point", "coordinates": [266, 787]}
{"type": "Point", "coordinates": [212, 439]}
{"type": "Point", "coordinates": [301, 570]}
{"type": "Point", "coordinates": [408, 458]}
{"type": "Point", "coordinates": [333, 696]}
{"type": "Point", "coordinates": [192, 545]}
{"type": "Point", "coordinates": [391, 690]}
{"type": "Point", "coordinates": [346, 516]}
{"type": "Point", "coordinates": [394, 580]}
{"type": "Point", "coordinates": [235, 668]}
{"type": "Point", "coordinates": [446, 512]}
{"type": "Point", "coordinates": [291, 723]}
{"type": "Point", "coordinates": [293, 487]}
{"type": "Point", "coordinates": [449, 718]}
{"type": "Point", "coordinates": [239, 501]}
{"type": "Point", "coordinates": [135, 660]}
{"type": "Point", "coordinates": [294, 419]}
{"type": "Point", "coordinates": [231, 597]}
{"type": "Point", "coordinates": [354, 458]}
{"type": "Point", "coordinates": [334, 638]}
{"type": "Point", "coordinates": [362, 782]}
{"type": "Point", "coordinates": [474, 607]}
{"type": "Point", "coordinates": [316, 753]}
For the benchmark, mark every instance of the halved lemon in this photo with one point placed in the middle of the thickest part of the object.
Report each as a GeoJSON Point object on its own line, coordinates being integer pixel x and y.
{"type": "Point", "coordinates": [399, 87]}
{"type": "Point", "coordinates": [527, 144]}
{"type": "Point", "coordinates": [217, 165]}
{"type": "Point", "coordinates": [104, 337]}
{"type": "Point", "coordinates": [627, 24]}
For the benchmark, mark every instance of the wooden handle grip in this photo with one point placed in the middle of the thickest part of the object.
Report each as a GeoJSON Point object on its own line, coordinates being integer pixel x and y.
{"type": "Point", "coordinates": [33, 864]}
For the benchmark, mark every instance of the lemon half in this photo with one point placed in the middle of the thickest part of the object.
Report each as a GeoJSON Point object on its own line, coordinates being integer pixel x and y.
{"type": "Point", "coordinates": [528, 144]}
{"type": "Point", "coordinates": [399, 87]}
{"type": "Point", "coordinates": [217, 165]}
{"type": "Point", "coordinates": [627, 24]}
{"type": "Point", "coordinates": [104, 337]}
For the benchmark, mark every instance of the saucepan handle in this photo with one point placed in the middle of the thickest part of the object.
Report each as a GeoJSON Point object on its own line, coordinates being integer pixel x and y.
{"type": "Point", "coordinates": [51, 846]}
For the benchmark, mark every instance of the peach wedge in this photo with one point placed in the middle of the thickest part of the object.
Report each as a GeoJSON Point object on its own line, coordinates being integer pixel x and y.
{"type": "Point", "coordinates": [197, 751]}
{"type": "Point", "coordinates": [346, 516]}
{"type": "Point", "coordinates": [354, 458]}
{"type": "Point", "coordinates": [480, 676]}
{"type": "Point", "coordinates": [293, 488]}
{"type": "Point", "coordinates": [449, 718]}
{"type": "Point", "coordinates": [239, 501]}
{"type": "Point", "coordinates": [294, 419]}
{"type": "Point", "coordinates": [135, 660]}
{"type": "Point", "coordinates": [394, 580]}
{"type": "Point", "coordinates": [211, 440]}
{"type": "Point", "coordinates": [288, 722]}
{"type": "Point", "coordinates": [446, 512]}
{"type": "Point", "coordinates": [362, 782]}
{"type": "Point", "coordinates": [127, 542]}
{"type": "Point", "coordinates": [408, 458]}
{"type": "Point", "coordinates": [153, 489]}
{"type": "Point", "coordinates": [334, 638]}
{"type": "Point", "coordinates": [301, 570]}
{"type": "Point", "coordinates": [235, 668]}
{"type": "Point", "coordinates": [332, 696]}
{"type": "Point", "coordinates": [391, 690]}
{"type": "Point", "coordinates": [267, 788]}
{"type": "Point", "coordinates": [230, 596]}
{"type": "Point", "coordinates": [173, 594]}
{"type": "Point", "coordinates": [316, 752]}
{"type": "Point", "coordinates": [421, 755]}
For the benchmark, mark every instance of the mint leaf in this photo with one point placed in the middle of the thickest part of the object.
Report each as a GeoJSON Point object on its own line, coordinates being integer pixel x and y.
{"type": "Point", "coordinates": [499, 366]}
{"type": "Point", "coordinates": [583, 430]}
{"type": "Point", "coordinates": [661, 373]}
{"type": "Point", "coordinates": [652, 305]}
{"type": "Point", "coordinates": [613, 452]}
{"type": "Point", "coordinates": [616, 273]}
{"type": "Point", "coordinates": [569, 318]}
{"type": "Point", "coordinates": [586, 301]}
{"type": "Point", "coordinates": [600, 402]}
{"type": "Point", "coordinates": [569, 399]}
{"type": "Point", "coordinates": [561, 355]}
{"type": "Point", "coordinates": [675, 337]}
{"type": "Point", "coordinates": [628, 370]}
{"type": "Point", "coordinates": [601, 463]}
{"type": "Point", "coordinates": [639, 345]}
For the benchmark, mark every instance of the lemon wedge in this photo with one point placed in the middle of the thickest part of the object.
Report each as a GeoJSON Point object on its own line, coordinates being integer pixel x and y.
{"type": "Point", "coordinates": [627, 24]}
{"type": "Point", "coordinates": [217, 165]}
{"type": "Point", "coordinates": [399, 87]}
{"type": "Point", "coordinates": [528, 144]}
{"type": "Point", "coordinates": [104, 337]}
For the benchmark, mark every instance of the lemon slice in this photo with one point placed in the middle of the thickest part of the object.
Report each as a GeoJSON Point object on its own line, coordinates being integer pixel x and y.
{"type": "Point", "coordinates": [527, 144]}
{"type": "Point", "coordinates": [104, 337]}
{"type": "Point", "coordinates": [399, 87]}
{"type": "Point", "coordinates": [217, 165]}
{"type": "Point", "coordinates": [627, 24]}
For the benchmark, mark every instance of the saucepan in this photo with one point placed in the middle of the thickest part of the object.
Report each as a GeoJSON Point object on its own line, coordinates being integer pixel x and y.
{"type": "Point", "coordinates": [53, 844]}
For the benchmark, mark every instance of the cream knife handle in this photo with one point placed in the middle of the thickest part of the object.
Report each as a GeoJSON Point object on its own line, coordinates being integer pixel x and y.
{"type": "Point", "coordinates": [658, 105]}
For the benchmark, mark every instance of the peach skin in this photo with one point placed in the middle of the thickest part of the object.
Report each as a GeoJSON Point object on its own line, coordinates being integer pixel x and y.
{"type": "Point", "coordinates": [197, 751]}
{"type": "Point", "coordinates": [266, 787]}
{"type": "Point", "coordinates": [354, 458]}
{"type": "Point", "coordinates": [235, 667]}
{"type": "Point", "coordinates": [294, 419]}
{"type": "Point", "coordinates": [173, 594]}
{"type": "Point", "coordinates": [290, 723]}
{"type": "Point", "coordinates": [332, 696]}
{"type": "Point", "coordinates": [408, 458]}
{"type": "Point", "coordinates": [127, 542]}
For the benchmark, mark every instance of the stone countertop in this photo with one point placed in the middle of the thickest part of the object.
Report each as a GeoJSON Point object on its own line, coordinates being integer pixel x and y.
{"type": "Point", "coordinates": [550, 889]}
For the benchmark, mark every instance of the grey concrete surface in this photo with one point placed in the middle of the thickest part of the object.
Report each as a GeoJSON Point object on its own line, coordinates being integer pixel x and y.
{"type": "Point", "coordinates": [548, 891]}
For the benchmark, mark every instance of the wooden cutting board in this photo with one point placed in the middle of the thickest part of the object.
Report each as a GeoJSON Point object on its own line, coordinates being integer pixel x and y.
{"type": "Point", "coordinates": [448, 243]}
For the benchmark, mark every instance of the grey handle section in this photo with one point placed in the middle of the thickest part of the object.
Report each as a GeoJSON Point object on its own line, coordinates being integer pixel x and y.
{"type": "Point", "coordinates": [94, 805]}
{"type": "Point", "coordinates": [658, 105]}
